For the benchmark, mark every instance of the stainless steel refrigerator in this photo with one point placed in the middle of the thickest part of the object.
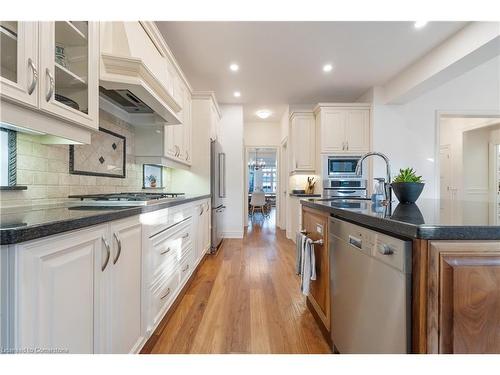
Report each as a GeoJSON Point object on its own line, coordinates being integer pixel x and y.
{"type": "Point", "coordinates": [218, 191]}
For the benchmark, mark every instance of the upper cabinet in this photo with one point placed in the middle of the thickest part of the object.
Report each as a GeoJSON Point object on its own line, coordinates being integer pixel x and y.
{"type": "Point", "coordinates": [343, 128]}
{"type": "Point", "coordinates": [19, 62]}
{"type": "Point", "coordinates": [69, 63]}
{"type": "Point", "coordinates": [302, 133]}
{"type": "Point", "coordinates": [50, 68]}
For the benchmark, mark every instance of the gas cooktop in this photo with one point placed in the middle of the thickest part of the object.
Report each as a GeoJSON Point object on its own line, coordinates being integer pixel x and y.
{"type": "Point", "coordinates": [125, 199]}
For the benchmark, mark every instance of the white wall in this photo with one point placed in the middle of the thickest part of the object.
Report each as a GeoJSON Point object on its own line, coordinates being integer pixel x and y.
{"type": "Point", "coordinates": [262, 134]}
{"type": "Point", "coordinates": [407, 133]}
{"type": "Point", "coordinates": [231, 128]}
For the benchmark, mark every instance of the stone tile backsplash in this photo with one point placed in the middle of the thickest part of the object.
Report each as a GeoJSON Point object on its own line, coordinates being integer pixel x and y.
{"type": "Point", "coordinates": [45, 170]}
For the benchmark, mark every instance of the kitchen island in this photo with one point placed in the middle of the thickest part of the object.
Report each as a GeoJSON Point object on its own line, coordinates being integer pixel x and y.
{"type": "Point", "coordinates": [455, 267]}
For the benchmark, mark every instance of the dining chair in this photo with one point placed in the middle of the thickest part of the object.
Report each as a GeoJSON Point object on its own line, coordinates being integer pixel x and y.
{"type": "Point", "coordinates": [258, 202]}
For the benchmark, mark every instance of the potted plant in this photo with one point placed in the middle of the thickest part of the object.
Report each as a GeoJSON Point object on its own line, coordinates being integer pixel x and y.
{"type": "Point", "coordinates": [407, 186]}
{"type": "Point", "coordinates": [152, 181]}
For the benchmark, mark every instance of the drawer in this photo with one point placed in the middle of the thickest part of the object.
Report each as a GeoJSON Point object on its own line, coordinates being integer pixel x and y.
{"type": "Point", "coordinates": [167, 246]}
{"type": "Point", "coordinates": [170, 264]}
{"type": "Point", "coordinates": [186, 268]}
{"type": "Point", "coordinates": [163, 294]}
{"type": "Point", "coordinates": [161, 220]}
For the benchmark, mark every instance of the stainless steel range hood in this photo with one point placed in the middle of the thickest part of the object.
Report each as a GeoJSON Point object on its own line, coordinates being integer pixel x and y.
{"type": "Point", "coordinates": [133, 74]}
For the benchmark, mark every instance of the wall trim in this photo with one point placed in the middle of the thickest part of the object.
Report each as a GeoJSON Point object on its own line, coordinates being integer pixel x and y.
{"type": "Point", "coordinates": [233, 234]}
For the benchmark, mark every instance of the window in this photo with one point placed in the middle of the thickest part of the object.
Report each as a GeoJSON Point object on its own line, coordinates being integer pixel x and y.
{"type": "Point", "coordinates": [8, 157]}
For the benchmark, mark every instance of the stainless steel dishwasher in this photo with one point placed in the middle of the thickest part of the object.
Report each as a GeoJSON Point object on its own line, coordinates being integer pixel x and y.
{"type": "Point", "coordinates": [370, 284]}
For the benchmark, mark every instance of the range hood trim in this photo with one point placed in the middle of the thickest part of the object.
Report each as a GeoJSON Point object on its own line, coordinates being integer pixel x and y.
{"type": "Point", "coordinates": [129, 73]}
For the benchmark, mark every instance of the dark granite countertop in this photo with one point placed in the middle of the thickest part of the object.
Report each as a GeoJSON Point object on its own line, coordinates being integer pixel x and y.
{"type": "Point", "coordinates": [427, 219]}
{"type": "Point", "coordinates": [28, 223]}
{"type": "Point", "coordinates": [303, 195]}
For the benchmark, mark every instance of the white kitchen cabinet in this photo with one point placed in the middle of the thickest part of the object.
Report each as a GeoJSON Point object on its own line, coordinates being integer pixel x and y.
{"type": "Point", "coordinates": [202, 230]}
{"type": "Point", "coordinates": [69, 71]}
{"type": "Point", "coordinates": [80, 291]}
{"type": "Point", "coordinates": [52, 69]}
{"type": "Point", "coordinates": [343, 128]}
{"type": "Point", "coordinates": [19, 68]}
{"type": "Point", "coordinates": [124, 307]}
{"type": "Point", "coordinates": [57, 290]}
{"type": "Point", "coordinates": [303, 152]}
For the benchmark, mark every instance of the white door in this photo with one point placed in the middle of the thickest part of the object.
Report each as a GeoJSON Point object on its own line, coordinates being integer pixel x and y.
{"type": "Point", "coordinates": [19, 62]}
{"type": "Point", "coordinates": [357, 131]}
{"type": "Point", "coordinates": [56, 291]}
{"type": "Point", "coordinates": [332, 130]}
{"type": "Point", "coordinates": [445, 173]}
{"type": "Point", "coordinates": [125, 267]}
{"type": "Point", "coordinates": [69, 67]}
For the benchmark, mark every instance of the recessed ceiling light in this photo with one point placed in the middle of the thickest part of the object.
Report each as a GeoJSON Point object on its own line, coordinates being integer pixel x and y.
{"type": "Point", "coordinates": [420, 24]}
{"type": "Point", "coordinates": [263, 113]}
{"type": "Point", "coordinates": [236, 94]}
{"type": "Point", "coordinates": [327, 68]}
{"type": "Point", "coordinates": [234, 67]}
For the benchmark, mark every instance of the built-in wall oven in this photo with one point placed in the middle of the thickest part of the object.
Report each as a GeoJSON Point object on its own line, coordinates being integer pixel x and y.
{"type": "Point", "coordinates": [340, 178]}
{"type": "Point", "coordinates": [344, 187]}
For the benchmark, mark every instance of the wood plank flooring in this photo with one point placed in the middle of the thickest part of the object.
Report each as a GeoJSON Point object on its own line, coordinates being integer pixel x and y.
{"type": "Point", "coordinates": [246, 299]}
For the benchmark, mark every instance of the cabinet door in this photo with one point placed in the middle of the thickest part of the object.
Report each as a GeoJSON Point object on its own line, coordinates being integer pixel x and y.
{"type": "Point", "coordinates": [178, 140]}
{"type": "Point", "coordinates": [316, 226]}
{"type": "Point", "coordinates": [187, 124]}
{"type": "Point", "coordinates": [464, 297]}
{"type": "Point", "coordinates": [357, 131]}
{"type": "Point", "coordinates": [125, 307]}
{"type": "Point", "coordinates": [332, 130]}
{"type": "Point", "coordinates": [303, 138]}
{"type": "Point", "coordinates": [170, 149]}
{"type": "Point", "coordinates": [19, 62]}
{"type": "Point", "coordinates": [56, 292]}
{"type": "Point", "coordinates": [69, 63]}
{"type": "Point", "coordinates": [206, 227]}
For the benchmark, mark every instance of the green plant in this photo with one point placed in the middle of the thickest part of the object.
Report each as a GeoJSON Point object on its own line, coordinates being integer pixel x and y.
{"type": "Point", "coordinates": [151, 178]}
{"type": "Point", "coordinates": [408, 175]}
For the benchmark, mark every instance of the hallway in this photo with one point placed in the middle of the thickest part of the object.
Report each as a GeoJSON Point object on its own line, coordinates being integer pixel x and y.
{"type": "Point", "coordinates": [246, 299]}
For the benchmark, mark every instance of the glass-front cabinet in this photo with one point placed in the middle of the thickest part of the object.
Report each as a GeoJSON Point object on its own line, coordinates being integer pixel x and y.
{"type": "Point", "coordinates": [52, 67]}
{"type": "Point", "coordinates": [69, 61]}
{"type": "Point", "coordinates": [19, 62]}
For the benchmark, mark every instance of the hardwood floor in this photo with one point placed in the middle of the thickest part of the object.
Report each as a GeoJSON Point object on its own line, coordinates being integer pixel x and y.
{"type": "Point", "coordinates": [246, 299]}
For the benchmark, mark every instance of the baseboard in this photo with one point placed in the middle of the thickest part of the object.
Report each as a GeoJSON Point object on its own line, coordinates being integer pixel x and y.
{"type": "Point", "coordinates": [233, 234]}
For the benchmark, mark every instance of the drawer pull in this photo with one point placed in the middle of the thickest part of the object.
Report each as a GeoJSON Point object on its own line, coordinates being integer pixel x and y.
{"type": "Point", "coordinates": [166, 251]}
{"type": "Point", "coordinates": [166, 294]}
{"type": "Point", "coordinates": [185, 268]}
{"type": "Point", "coordinates": [185, 236]}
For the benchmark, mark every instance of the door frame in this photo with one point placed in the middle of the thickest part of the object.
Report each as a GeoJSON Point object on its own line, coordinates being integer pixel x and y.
{"type": "Point", "coordinates": [437, 131]}
{"type": "Point", "coordinates": [245, 182]}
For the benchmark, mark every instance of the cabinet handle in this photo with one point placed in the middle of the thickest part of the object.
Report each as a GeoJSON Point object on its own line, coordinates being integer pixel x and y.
{"type": "Point", "coordinates": [185, 236]}
{"type": "Point", "coordinates": [166, 251]}
{"type": "Point", "coordinates": [108, 254]}
{"type": "Point", "coordinates": [34, 80]}
{"type": "Point", "coordinates": [166, 294]}
{"type": "Point", "coordinates": [347, 146]}
{"type": "Point", "coordinates": [202, 210]}
{"type": "Point", "coordinates": [185, 268]}
{"type": "Point", "coordinates": [187, 156]}
{"type": "Point", "coordinates": [51, 85]}
{"type": "Point", "coordinates": [119, 242]}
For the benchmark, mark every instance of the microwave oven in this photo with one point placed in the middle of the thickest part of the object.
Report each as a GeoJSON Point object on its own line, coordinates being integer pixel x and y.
{"type": "Point", "coordinates": [340, 166]}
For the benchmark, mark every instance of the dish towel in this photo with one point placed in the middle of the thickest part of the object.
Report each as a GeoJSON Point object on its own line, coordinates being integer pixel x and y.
{"type": "Point", "coordinates": [308, 266]}
{"type": "Point", "coordinates": [299, 243]}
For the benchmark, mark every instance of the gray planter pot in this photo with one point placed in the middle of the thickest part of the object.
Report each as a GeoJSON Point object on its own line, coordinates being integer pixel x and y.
{"type": "Point", "coordinates": [407, 192]}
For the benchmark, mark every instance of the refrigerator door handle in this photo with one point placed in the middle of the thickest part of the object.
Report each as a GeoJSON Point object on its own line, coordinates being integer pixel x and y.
{"type": "Point", "coordinates": [222, 175]}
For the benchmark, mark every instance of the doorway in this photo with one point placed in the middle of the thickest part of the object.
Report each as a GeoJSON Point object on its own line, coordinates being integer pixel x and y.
{"type": "Point", "coordinates": [262, 186]}
{"type": "Point", "coordinates": [468, 167]}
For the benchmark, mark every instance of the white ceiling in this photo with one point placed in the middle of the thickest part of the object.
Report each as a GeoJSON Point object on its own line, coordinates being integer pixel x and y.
{"type": "Point", "coordinates": [281, 62]}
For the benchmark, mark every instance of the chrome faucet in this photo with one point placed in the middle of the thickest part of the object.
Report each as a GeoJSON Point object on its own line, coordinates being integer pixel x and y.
{"type": "Point", "coordinates": [387, 182]}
